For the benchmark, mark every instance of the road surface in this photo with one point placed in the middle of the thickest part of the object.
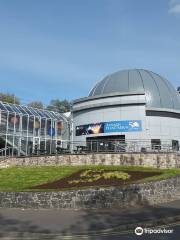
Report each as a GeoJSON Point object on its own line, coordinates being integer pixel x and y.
{"type": "Point", "coordinates": [103, 224]}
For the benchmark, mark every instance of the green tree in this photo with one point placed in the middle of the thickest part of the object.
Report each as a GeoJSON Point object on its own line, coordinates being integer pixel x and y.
{"type": "Point", "coordinates": [57, 105]}
{"type": "Point", "coordinates": [36, 104]}
{"type": "Point", "coordinates": [9, 98]}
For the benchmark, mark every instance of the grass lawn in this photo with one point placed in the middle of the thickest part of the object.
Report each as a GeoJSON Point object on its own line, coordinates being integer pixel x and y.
{"type": "Point", "coordinates": [23, 178]}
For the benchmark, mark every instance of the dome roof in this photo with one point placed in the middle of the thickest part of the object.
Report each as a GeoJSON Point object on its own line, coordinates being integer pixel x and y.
{"type": "Point", "coordinates": [158, 91]}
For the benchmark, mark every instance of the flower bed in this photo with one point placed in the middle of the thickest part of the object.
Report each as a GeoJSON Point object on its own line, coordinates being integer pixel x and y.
{"type": "Point", "coordinates": [97, 177]}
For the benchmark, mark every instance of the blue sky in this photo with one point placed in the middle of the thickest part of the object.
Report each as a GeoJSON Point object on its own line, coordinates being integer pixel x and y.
{"type": "Point", "coordinates": [59, 48]}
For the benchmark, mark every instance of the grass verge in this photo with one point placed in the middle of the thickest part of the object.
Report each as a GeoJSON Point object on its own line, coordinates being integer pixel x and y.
{"type": "Point", "coordinates": [23, 178]}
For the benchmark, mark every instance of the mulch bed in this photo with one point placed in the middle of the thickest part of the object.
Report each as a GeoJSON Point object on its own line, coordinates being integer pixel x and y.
{"type": "Point", "coordinates": [63, 183]}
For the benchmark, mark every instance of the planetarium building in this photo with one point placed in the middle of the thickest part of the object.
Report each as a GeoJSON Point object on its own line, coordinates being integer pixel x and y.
{"type": "Point", "coordinates": [137, 108]}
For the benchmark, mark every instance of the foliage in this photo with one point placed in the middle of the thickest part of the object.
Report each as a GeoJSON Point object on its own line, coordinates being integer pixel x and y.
{"type": "Point", "coordinates": [9, 98]}
{"type": "Point", "coordinates": [36, 104]}
{"type": "Point", "coordinates": [116, 174]}
{"type": "Point", "coordinates": [86, 173]}
{"type": "Point", "coordinates": [57, 105]}
{"type": "Point", "coordinates": [95, 175]}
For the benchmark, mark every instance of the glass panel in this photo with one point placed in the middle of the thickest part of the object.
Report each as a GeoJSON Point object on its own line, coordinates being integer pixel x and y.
{"type": "Point", "coordinates": [31, 125]}
{"type": "Point", "coordinates": [50, 115]}
{"type": "Point", "coordinates": [49, 127]}
{"type": "Point", "coordinates": [11, 122]}
{"type": "Point", "coordinates": [23, 145]}
{"type": "Point", "coordinates": [41, 113]}
{"type": "Point", "coordinates": [8, 108]}
{"type": "Point", "coordinates": [17, 122]}
{"type": "Point", "coordinates": [48, 146]}
{"type": "Point", "coordinates": [42, 147]}
{"type": "Point", "coordinates": [58, 115]}
{"type": "Point", "coordinates": [24, 123]}
{"type": "Point", "coordinates": [46, 113]}
{"type": "Point", "coordinates": [15, 109]}
{"type": "Point", "coordinates": [59, 126]}
{"type": "Point", "coordinates": [22, 110]}
{"type": "Point", "coordinates": [43, 125]}
{"type": "Point", "coordinates": [30, 146]}
{"type": "Point", "coordinates": [2, 107]}
{"type": "Point", "coordinates": [37, 126]}
{"type": "Point", "coordinates": [28, 111]}
{"type": "Point", "coordinates": [3, 123]}
{"type": "Point", "coordinates": [33, 112]}
{"type": "Point", "coordinates": [9, 144]}
{"type": "Point", "coordinates": [53, 146]}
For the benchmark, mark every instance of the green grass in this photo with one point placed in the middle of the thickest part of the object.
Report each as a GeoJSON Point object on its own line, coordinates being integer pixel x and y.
{"type": "Point", "coordinates": [23, 178]}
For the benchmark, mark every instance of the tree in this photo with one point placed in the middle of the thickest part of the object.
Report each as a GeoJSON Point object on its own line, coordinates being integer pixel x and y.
{"type": "Point", "coordinates": [9, 98]}
{"type": "Point", "coordinates": [57, 105]}
{"type": "Point", "coordinates": [36, 104]}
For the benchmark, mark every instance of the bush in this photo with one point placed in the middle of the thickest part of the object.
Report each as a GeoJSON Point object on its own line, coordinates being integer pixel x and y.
{"type": "Point", "coordinates": [95, 175]}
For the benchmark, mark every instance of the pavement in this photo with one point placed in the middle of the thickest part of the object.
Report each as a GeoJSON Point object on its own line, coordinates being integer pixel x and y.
{"type": "Point", "coordinates": [94, 224]}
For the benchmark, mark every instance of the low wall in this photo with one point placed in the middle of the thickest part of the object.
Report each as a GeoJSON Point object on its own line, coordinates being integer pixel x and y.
{"type": "Point", "coordinates": [130, 195]}
{"type": "Point", "coordinates": [158, 160]}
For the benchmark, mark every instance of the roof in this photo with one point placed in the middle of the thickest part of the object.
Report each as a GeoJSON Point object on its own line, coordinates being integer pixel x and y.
{"type": "Point", "coordinates": [159, 92]}
{"type": "Point", "coordinates": [25, 110]}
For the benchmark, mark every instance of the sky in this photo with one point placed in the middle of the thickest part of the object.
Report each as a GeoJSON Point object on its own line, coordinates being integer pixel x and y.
{"type": "Point", "coordinates": [53, 49]}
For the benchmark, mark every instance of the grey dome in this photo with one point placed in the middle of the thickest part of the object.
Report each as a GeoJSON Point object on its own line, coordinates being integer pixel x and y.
{"type": "Point", "coordinates": [158, 91]}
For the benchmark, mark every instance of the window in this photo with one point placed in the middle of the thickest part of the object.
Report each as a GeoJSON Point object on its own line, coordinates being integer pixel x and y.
{"type": "Point", "coordinates": [156, 144]}
{"type": "Point", "coordinates": [175, 145]}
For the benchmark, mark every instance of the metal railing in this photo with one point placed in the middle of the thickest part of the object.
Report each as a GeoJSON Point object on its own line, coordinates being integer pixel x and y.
{"type": "Point", "coordinates": [99, 146]}
{"type": "Point", "coordinates": [5, 152]}
{"type": "Point", "coordinates": [105, 146]}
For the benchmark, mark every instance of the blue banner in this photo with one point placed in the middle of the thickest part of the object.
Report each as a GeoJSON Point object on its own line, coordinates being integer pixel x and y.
{"type": "Point", "coordinates": [123, 126]}
{"type": "Point", "coordinates": [108, 127]}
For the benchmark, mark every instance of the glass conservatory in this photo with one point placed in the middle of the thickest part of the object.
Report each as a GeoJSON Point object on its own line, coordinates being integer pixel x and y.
{"type": "Point", "coordinates": [26, 130]}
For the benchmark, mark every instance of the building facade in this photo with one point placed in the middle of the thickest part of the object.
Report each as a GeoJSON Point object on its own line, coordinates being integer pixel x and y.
{"type": "Point", "coordinates": [130, 106]}
{"type": "Point", "coordinates": [26, 130]}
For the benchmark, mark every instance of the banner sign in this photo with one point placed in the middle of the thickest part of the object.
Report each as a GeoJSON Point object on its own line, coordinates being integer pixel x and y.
{"type": "Point", "coordinates": [108, 127]}
{"type": "Point", "coordinates": [123, 126]}
{"type": "Point", "coordinates": [90, 129]}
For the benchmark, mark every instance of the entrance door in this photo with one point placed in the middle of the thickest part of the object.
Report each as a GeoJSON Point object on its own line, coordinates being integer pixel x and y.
{"type": "Point", "coordinates": [109, 143]}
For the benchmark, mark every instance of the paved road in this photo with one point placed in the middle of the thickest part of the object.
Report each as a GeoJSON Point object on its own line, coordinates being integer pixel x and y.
{"type": "Point", "coordinates": [85, 224]}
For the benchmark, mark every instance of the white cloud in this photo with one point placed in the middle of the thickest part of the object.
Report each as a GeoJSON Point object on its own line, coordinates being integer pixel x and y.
{"type": "Point", "coordinates": [174, 6]}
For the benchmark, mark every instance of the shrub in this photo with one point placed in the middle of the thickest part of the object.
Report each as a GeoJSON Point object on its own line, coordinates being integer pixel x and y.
{"type": "Point", "coordinates": [95, 175]}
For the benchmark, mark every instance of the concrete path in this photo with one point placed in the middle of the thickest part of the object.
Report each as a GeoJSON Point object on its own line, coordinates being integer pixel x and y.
{"type": "Point", "coordinates": [87, 224]}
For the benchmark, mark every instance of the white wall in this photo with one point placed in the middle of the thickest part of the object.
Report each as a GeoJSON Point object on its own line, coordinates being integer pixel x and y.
{"type": "Point", "coordinates": [164, 128]}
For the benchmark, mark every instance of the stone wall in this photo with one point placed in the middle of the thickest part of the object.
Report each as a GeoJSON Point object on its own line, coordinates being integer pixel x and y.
{"type": "Point", "coordinates": [158, 160]}
{"type": "Point", "coordinates": [137, 194]}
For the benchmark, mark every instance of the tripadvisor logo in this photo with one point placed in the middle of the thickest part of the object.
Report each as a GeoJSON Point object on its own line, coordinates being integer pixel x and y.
{"type": "Point", "coordinates": [139, 231]}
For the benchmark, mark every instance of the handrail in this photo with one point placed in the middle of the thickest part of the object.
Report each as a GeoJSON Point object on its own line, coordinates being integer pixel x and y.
{"type": "Point", "coordinates": [93, 146]}
{"type": "Point", "coordinates": [3, 151]}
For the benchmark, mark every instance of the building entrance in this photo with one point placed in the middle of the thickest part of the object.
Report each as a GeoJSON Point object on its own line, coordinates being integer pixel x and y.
{"type": "Point", "coordinates": [109, 143]}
